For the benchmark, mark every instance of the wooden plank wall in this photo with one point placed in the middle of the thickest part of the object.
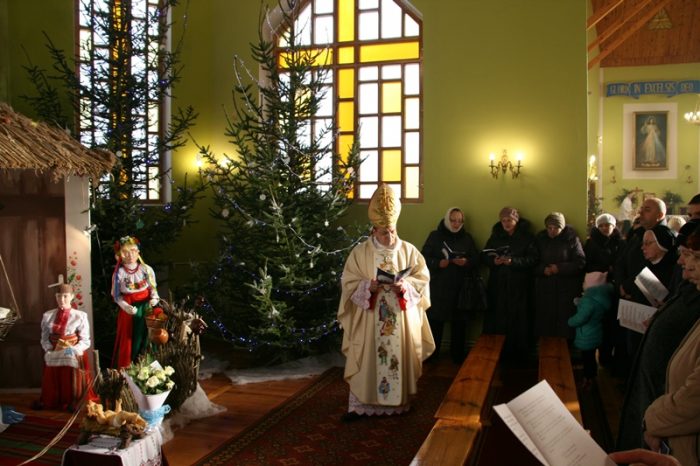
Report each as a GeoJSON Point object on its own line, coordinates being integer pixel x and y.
{"type": "Point", "coordinates": [33, 247]}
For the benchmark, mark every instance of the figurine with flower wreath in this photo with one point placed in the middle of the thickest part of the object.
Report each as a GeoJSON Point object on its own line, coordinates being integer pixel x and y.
{"type": "Point", "coordinates": [135, 291]}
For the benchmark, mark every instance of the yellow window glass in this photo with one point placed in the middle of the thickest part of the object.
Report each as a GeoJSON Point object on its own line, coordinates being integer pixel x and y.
{"type": "Point", "coordinates": [346, 83]}
{"type": "Point", "coordinates": [391, 97]}
{"type": "Point", "coordinates": [319, 57]}
{"type": "Point", "coordinates": [346, 116]}
{"type": "Point", "coordinates": [346, 55]}
{"type": "Point", "coordinates": [391, 165]}
{"type": "Point", "coordinates": [344, 145]}
{"type": "Point", "coordinates": [346, 21]}
{"type": "Point", "coordinates": [387, 52]}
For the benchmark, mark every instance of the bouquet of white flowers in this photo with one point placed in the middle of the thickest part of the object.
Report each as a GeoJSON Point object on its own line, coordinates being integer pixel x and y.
{"type": "Point", "coordinates": [152, 378]}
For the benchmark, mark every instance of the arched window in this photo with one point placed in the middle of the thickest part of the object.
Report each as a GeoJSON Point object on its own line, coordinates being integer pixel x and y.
{"type": "Point", "coordinates": [374, 50]}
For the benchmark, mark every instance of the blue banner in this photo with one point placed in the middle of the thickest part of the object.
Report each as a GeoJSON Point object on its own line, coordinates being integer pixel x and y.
{"type": "Point", "coordinates": [667, 88]}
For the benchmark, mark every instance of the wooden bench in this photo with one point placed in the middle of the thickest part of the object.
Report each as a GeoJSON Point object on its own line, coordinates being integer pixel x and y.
{"type": "Point", "coordinates": [459, 418]}
{"type": "Point", "coordinates": [555, 367]}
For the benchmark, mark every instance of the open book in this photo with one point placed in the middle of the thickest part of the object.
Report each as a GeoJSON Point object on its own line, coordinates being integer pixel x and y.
{"type": "Point", "coordinates": [543, 424]}
{"type": "Point", "coordinates": [650, 286]}
{"type": "Point", "coordinates": [502, 251]}
{"type": "Point", "coordinates": [387, 277]}
{"type": "Point", "coordinates": [451, 254]}
{"type": "Point", "coordinates": [633, 315]}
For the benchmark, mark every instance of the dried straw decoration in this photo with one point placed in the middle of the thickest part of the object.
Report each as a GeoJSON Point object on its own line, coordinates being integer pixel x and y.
{"type": "Point", "coordinates": [27, 144]}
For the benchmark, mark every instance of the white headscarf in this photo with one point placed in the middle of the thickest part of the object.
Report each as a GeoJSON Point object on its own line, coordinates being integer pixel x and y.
{"type": "Point", "coordinates": [446, 220]}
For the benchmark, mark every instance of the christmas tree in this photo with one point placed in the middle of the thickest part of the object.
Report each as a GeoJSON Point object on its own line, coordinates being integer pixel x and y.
{"type": "Point", "coordinates": [280, 198]}
{"type": "Point", "coordinates": [114, 101]}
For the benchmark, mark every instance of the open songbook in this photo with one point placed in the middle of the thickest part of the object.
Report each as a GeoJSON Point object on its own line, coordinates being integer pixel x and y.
{"type": "Point", "coordinates": [450, 254]}
{"type": "Point", "coordinates": [634, 315]}
{"type": "Point", "coordinates": [502, 251]}
{"type": "Point", "coordinates": [543, 424]}
{"type": "Point", "coordinates": [650, 286]}
{"type": "Point", "coordinates": [388, 277]}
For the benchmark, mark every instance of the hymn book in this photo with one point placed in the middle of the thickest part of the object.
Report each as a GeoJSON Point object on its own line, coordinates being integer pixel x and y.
{"type": "Point", "coordinates": [391, 278]}
{"type": "Point", "coordinates": [549, 431]}
{"type": "Point", "coordinates": [650, 286]}
{"type": "Point", "coordinates": [450, 254]}
{"type": "Point", "coordinates": [502, 251]}
{"type": "Point", "coordinates": [634, 315]}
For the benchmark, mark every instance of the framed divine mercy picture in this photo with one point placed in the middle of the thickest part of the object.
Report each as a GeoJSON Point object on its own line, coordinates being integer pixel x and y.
{"type": "Point", "coordinates": [649, 140]}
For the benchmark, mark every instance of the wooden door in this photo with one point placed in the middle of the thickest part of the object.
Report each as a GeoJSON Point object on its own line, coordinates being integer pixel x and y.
{"type": "Point", "coordinates": [33, 247]}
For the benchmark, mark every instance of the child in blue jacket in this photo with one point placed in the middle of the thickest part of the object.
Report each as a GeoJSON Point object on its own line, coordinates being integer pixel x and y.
{"type": "Point", "coordinates": [588, 321]}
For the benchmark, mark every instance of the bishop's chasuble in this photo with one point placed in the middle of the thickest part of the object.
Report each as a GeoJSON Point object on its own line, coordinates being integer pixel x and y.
{"type": "Point", "coordinates": [386, 334]}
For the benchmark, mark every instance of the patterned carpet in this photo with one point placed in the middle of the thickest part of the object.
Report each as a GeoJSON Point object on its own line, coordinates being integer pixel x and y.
{"type": "Point", "coordinates": [307, 430]}
{"type": "Point", "coordinates": [23, 440]}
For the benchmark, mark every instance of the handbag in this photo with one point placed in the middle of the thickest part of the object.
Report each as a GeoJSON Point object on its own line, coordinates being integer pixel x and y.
{"type": "Point", "coordinates": [472, 296]}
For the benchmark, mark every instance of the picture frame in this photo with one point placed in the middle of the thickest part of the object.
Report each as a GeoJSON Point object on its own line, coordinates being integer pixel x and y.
{"type": "Point", "coordinates": [633, 166]}
{"type": "Point", "coordinates": [651, 140]}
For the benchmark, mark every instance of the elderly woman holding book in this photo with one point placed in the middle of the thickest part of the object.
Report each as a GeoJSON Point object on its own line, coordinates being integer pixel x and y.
{"type": "Point", "coordinates": [451, 256]}
{"type": "Point", "coordinates": [510, 254]}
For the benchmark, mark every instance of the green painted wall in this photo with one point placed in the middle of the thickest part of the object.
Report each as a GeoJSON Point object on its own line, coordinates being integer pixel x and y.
{"type": "Point", "coordinates": [498, 74]}
{"type": "Point", "coordinates": [611, 121]}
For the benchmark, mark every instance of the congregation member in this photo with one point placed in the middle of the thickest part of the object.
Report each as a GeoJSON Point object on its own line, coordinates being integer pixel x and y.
{"type": "Point", "coordinates": [510, 254]}
{"type": "Point", "coordinates": [595, 303]}
{"type": "Point", "coordinates": [386, 334]}
{"type": "Point", "coordinates": [674, 417]}
{"type": "Point", "coordinates": [558, 277]}
{"type": "Point", "coordinates": [65, 338]}
{"type": "Point", "coordinates": [630, 262]}
{"type": "Point", "coordinates": [693, 209]}
{"type": "Point", "coordinates": [451, 255]}
{"type": "Point", "coordinates": [664, 333]}
{"type": "Point", "coordinates": [601, 249]}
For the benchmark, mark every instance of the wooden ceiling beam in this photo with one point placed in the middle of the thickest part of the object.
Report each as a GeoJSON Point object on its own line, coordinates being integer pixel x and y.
{"type": "Point", "coordinates": [601, 13]}
{"type": "Point", "coordinates": [605, 35]}
{"type": "Point", "coordinates": [623, 37]}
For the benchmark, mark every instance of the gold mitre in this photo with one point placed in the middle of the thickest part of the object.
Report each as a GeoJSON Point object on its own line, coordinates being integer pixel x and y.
{"type": "Point", "coordinates": [384, 207]}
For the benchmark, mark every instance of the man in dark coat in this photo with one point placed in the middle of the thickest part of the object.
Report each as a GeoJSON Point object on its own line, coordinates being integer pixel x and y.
{"type": "Point", "coordinates": [666, 330]}
{"type": "Point", "coordinates": [510, 254]}
{"type": "Point", "coordinates": [630, 262]}
{"type": "Point", "coordinates": [451, 256]}
{"type": "Point", "coordinates": [558, 277]}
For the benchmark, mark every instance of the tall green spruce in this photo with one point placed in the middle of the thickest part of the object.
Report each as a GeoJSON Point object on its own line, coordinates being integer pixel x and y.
{"type": "Point", "coordinates": [280, 197]}
{"type": "Point", "coordinates": [109, 98]}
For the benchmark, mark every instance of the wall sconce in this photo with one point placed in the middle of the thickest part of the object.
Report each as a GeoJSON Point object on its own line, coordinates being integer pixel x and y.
{"type": "Point", "coordinates": [504, 164]}
{"type": "Point", "coordinates": [694, 116]}
{"type": "Point", "coordinates": [612, 178]}
{"type": "Point", "coordinates": [689, 179]}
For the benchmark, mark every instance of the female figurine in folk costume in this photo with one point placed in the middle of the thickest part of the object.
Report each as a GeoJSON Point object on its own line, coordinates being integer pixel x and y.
{"type": "Point", "coordinates": [135, 291]}
{"type": "Point", "coordinates": [386, 335]}
{"type": "Point", "coordinates": [65, 338]}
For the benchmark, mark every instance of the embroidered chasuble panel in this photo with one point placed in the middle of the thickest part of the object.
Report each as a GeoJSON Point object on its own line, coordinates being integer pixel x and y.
{"type": "Point", "coordinates": [388, 335]}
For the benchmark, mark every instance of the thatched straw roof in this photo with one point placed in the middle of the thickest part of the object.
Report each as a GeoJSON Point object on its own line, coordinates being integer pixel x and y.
{"type": "Point", "coordinates": [27, 144]}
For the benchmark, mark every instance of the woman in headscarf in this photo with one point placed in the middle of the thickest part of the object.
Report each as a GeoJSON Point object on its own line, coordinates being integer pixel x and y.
{"type": "Point", "coordinates": [558, 277]}
{"type": "Point", "coordinates": [602, 249]}
{"type": "Point", "coordinates": [451, 256]}
{"type": "Point", "coordinates": [510, 254]}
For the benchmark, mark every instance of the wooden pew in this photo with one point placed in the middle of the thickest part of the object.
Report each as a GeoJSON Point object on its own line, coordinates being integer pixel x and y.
{"type": "Point", "coordinates": [459, 418]}
{"type": "Point", "coordinates": [555, 367]}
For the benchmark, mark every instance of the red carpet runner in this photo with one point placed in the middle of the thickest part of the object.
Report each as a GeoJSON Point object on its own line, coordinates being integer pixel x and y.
{"type": "Point", "coordinates": [23, 440]}
{"type": "Point", "coordinates": [307, 430]}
